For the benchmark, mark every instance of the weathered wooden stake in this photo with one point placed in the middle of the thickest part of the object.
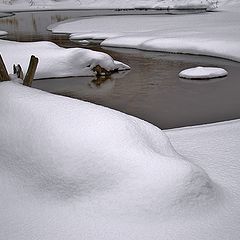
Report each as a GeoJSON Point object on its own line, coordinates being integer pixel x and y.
{"type": "Point", "coordinates": [31, 71]}
{"type": "Point", "coordinates": [3, 71]}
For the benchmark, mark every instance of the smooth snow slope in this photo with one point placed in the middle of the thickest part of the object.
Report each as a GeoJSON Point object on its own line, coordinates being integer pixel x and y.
{"type": "Point", "coordinates": [74, 170]}
{"type": "Point", "coordinates": [215, 34]}
{"type": "Point", "coordinates": [55, 61]}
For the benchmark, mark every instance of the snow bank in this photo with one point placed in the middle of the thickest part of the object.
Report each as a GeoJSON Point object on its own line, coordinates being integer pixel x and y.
{"type": "Point", "coordinates": [55, 61]}
{"type": "Point", "coordinates": [203, 73]}
{"type": "Point", "coordinates": [101, 4]}
{"type": "Point", "coordinates": [214, 34]}
{"type": "Point", "coordinates": [70, 148]}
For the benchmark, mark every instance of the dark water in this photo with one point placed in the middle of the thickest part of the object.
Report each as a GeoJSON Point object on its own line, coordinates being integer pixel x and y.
{"type": "Point", "coordinates": [151, 90]}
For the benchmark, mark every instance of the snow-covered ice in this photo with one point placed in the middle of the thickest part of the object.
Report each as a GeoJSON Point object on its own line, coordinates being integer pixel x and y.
{"type": "Point", "coordinates": [215, 34]}
{"type": "Point", "coordinates": [55, 61]}
{"type": "Point", "coordinates": [74, 170]}
{"type": "Point", "coordinates": [203, 73]}
{"type": "Point", "coordinates": [18, 5]}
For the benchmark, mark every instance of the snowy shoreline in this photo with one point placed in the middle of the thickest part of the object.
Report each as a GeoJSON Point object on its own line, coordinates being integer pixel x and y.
{"type": "Point", "coordinates": [204, 34]}
{"type": "Point", "coordinates": [139, 10]}
{"type": "Point", "coordinates": [55, 61]}
{"type": "Point", "coordinates": [20, 5]}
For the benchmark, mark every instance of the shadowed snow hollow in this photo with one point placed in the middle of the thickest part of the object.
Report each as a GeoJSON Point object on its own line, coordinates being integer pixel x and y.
{"type": "Point", "coordinates": [65, 148]}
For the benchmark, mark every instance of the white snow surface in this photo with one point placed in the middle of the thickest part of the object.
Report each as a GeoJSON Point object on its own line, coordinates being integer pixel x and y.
{"type": "Point", "coordinates": [74, 170]}
{"type": "Point", "coordinates": [55, 61]}
{"type": "Point", "coordinates": [203, 73]}
{"type": "Point", "coordinates": [3, 33]}
{"type": "Point", "coordinates": [9, 5]}
{"type": "Point", "coordinates": [215, 34]}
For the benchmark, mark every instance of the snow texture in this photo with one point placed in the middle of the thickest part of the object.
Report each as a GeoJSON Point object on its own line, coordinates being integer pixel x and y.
{"type": "Point", "coordinates": [203, 73]}
{"type": "Point", "coordinates": [71, 169]}
{"type": "Point", "coordinates": [55, 61]}
{"type": "Point", "coordinates": [214, 34]}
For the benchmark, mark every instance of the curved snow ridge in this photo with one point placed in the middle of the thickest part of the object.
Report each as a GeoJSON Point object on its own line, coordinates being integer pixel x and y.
{"type": "Point", "coordinates": [186, 45]}
{"type": "Point", "coordinates": [55, 61]}
{"type": "Point", "coordinates": [66, 148]}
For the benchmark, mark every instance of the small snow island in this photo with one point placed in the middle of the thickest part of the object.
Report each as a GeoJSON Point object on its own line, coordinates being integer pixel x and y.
{"type": "Point", "coordinates": [203, 73]}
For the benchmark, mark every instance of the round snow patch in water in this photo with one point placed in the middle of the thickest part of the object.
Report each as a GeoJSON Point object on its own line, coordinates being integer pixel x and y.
{"type": "Point", "coordinates": [203, 73]}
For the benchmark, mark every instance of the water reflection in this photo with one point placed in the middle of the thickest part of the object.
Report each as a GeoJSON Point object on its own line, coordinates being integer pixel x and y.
{"type": "Point", "coordinates": [77, 87]}
{"type": "Point", "coordinates": [202, 81]}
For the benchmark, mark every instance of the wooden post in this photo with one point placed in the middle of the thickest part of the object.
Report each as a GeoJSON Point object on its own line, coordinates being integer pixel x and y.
{"type": "Point", "coordinates": [3, 71]}
{"type": "Point", "coordinates": [31, 71]}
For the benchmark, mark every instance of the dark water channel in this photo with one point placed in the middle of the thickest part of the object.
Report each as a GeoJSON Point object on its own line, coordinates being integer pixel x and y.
{"type": "Point", "coordinates": [151, 90]}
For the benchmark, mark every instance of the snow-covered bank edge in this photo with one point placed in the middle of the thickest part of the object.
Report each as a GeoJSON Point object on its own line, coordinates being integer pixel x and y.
{"type": "Point", "coordinates": [170, 45]}
{"type": "Point", "coordinates": [110, 5]}
{"type": "Point", "coordinates": [203, 126]}
{"type": "Point", "coordinates": [55, 61]}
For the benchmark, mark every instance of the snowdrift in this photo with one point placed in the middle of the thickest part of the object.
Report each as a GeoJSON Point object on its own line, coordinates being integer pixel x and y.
{"type": "Point", "coordinates": [55, 61]}
{"type": "Point", "coordinates": [68, 148]}
{"type": "Point", "coordinates": [74, 170]}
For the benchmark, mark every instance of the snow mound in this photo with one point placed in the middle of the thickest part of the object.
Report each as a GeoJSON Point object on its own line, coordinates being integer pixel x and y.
{"type": "Point", "coordinates": [65, 148]}
{"type": "Point", "coordinates": [203, 73]}
{"type": "Point", "coordinates": [55, 61]}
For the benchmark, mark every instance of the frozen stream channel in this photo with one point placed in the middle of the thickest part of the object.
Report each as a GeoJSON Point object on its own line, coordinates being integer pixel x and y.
{"type": "Point", "coordinates": [151, 90]}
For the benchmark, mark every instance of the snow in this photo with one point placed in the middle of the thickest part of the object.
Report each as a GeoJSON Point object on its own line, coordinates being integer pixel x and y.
{"type": "Point", "coordinates": [55, 61]}
{"type": "Point", "coordinates": [18, 5]}
{"type": "Point", "coordinates": [214, 34]}
{"type": "Point", "coordinates": [3, 33]}
{"type": "Point", "coordinates": [203, 73]}
{"type": "Point", "coordinates": [74, 170]}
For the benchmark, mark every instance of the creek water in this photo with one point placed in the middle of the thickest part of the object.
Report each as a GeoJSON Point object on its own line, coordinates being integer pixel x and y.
{"type": "Point", "coordinates": [151, 90]}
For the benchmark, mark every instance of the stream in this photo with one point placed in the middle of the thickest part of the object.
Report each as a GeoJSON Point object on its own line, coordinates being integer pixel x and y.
{"type": "Point", "coordinates": [151, 90]}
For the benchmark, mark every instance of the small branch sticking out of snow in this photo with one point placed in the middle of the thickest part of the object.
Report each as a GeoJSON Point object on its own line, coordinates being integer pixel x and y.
{"type": "Point", "coordinates": [17, 69]}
